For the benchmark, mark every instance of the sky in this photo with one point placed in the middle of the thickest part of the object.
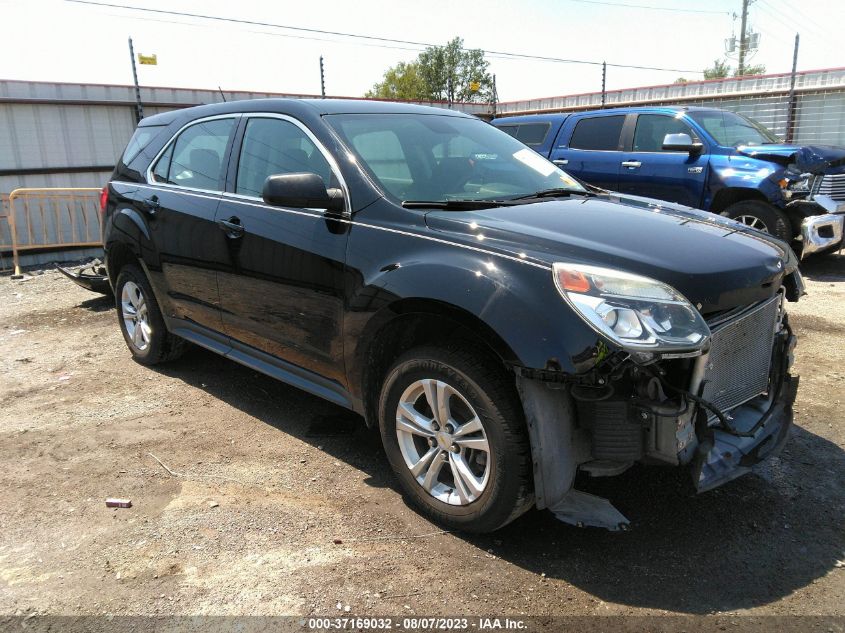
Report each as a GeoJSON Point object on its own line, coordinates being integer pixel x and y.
{"type": "Point", "coordinates": [58, 40]}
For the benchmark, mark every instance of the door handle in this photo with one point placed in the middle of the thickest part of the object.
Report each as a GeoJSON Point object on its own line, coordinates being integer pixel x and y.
{"type": "Point", "coordinates": [231, 227]}
{"type": "Point", "coordinates": [631, 164]}
{"type": "Point", "coordinates": [151, 204]}
{"type": "Point", "coordinates": [561, 161]}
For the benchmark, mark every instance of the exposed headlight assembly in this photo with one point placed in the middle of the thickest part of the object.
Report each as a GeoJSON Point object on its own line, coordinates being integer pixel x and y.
{"type": "Point", "coordinates": [637, 313]}
{"type": "Point", "coordinates": [797, 184]}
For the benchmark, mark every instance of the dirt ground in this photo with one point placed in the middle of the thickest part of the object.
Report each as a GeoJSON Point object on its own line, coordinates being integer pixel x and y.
{"type": "Point", "coordinates": [266, 478]}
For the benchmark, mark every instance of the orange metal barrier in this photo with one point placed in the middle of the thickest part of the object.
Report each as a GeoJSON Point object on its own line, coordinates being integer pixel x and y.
{"type": "Point", "coordinates": [52, 218]}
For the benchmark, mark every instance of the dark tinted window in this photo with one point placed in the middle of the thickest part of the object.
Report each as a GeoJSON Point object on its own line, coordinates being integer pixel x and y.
{"type": "Point", "coordinates": [163, 165]}
{"type": "Point", "coordinates": [195, 160]}
{"type": "Point", "coordinates": [140, 139]}
{"type": "Point", "coordinates": [274, 146]}
{"type": "Point", "coordinates": [598, 133]}
{"type": "Point", "coordinates": [533, 133]}
{"type": "Point", "coordinates": [652, 129]}
{"type": "Point", "coordinates": [509, 129]}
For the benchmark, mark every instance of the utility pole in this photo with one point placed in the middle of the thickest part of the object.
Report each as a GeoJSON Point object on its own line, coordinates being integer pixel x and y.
{"type": "Point", "coordinates": [793, 104]}
{"type": "Point", "coordinates": [494, 96]}
{"type": "Point", "coordinates": [139, 108]}
{"type": "Point", "coordinates": [743, 42]}
{"type": "Point", "coordinates": [603, 83]}
{"type": "Point", "coordinates": [322, 79]}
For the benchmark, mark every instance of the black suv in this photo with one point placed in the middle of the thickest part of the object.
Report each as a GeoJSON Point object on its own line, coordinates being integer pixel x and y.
{"type": "Point", "coordinates": [502, 324]}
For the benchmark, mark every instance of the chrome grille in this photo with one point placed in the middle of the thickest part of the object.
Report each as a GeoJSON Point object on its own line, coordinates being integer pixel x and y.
{"type": "Point", "coordinates": [832, 185]}
{"type": "Point", "coordinates": [740, 356]}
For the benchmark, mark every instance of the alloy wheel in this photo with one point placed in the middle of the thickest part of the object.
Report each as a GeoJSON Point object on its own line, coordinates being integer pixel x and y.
{"type": "Point", "coordinates": [443, 442]}
{"type": "Point", "coordinates": [133, 306]}
{"type": "Point", "coordinates": [753, 221]}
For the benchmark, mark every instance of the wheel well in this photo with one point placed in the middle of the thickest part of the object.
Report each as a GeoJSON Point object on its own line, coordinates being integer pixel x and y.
{"type": "Point", "coordinates": [726, 197]}
{"type": "Point", "coordinates": [119, 255]}
{"type": "Point", "coordinates": [424, 323]}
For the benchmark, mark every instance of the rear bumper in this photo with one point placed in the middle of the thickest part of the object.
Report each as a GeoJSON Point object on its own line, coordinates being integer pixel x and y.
{"type": "Point", "coordinates": [725, 456]}
{"type": "Point", "coordinates": [820, 233]}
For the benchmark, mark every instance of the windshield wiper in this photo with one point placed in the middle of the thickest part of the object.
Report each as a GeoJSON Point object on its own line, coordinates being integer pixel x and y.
{"type": "Point", "coordinates": [553, 193]}
{"type": "Point", "coordinates": [455, 205]}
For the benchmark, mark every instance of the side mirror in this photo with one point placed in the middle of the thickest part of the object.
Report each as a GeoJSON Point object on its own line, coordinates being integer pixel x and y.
{"type": "Point", "coordinates": [301, 191]}
{"type": "Point", "coordinates": [681, 143]}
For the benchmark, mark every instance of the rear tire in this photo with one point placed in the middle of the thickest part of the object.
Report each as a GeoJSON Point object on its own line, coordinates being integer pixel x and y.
{"type": "Point", "coordinates": [141, 321]}
{"type": "Point", "coordinates": [454, 433]}
{"type": "Point", "coordinates": [762, 216]}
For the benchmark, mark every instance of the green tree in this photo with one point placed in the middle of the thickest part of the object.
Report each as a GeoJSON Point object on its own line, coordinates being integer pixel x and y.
{"type": "Point", "coordinates": [756, 69]}
{"type": "Point", "coordinates": [440, 73]}
{"type": "Point", "coordinates": [402, 82]}
{"type": "Point", "coordinates": [719, 70]}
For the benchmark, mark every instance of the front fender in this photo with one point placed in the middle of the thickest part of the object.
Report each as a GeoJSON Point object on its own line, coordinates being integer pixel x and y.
{"type": "Point", "coordinates": [742, 172]}
{"type": "Point", "coordinates": [515, 303]}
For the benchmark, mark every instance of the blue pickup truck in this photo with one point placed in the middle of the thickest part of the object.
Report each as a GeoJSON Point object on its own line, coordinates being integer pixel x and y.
{"type": "Point", "coordinates": [702, 157]}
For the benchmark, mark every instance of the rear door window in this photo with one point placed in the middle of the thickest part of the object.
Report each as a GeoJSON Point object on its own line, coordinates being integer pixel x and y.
{"type": "Point", "coordinates": [533, 133]}
{"type": "Point", "coordinates": [598, 133]}
{"type": "Point", "coordinates": [529, 133]}
{"type": "Point", "coordinates": [196, 159]}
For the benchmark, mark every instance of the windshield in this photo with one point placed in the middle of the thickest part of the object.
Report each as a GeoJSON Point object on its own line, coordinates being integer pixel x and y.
{"type": "Point", "coordinates": [442, 158]}
{"type": "Point", "coordinates": [732, 130]}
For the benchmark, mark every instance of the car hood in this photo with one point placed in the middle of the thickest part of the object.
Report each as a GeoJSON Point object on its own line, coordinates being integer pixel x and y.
{"type": "Point", "coordinates": [810, 158]}
{"type": "Point", "coordinates": [714, 262]}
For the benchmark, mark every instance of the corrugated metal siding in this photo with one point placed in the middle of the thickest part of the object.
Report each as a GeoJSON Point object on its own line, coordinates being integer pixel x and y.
{"type": "Point", "coordinates": [819, 102]}
{"type": "Point", "coordinates": [55, 136]}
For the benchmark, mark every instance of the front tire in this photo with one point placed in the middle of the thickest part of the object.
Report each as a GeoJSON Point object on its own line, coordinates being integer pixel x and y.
{"type": "Point", "coordinates": [141, 321]}
{"type": "Point", "coordinates": [762, 216]}
{"type": "Point", "coordinates": [454, 434]}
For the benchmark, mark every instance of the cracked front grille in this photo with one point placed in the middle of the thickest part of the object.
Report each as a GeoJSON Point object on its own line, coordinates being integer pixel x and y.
{"type": "Point", "coordinates": [740, 356]}
{"type": "Point", "coordinates": [832, 185]}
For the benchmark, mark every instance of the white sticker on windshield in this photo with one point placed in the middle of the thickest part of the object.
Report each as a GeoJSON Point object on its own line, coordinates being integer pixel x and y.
{"type": "Point", "coordinates": [535, 161]}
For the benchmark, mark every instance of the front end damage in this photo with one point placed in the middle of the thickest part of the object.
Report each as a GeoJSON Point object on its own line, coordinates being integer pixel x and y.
{"type": "Point", "coordinates": [717, 412]}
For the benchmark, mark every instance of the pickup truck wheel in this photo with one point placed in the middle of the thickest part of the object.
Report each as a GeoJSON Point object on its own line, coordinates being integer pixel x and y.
{"type": "Point", "coordinates": [141, 321]}
{"type": "Point", "coordinates": [455, 436]}
{"type": "Point", "coordinates": [762, 216]}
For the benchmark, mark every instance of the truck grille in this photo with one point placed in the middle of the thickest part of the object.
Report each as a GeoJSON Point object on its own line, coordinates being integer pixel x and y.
{"type": "Point", "coordinates": [832, 185]}
{"type": "Point", "coordinates": [740, 356]}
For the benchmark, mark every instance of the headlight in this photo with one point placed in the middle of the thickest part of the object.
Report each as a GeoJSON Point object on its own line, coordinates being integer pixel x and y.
{"type": "Point", "coordinates": [634, 312]}
{"type": "Point", "coordinates": [796, 184]}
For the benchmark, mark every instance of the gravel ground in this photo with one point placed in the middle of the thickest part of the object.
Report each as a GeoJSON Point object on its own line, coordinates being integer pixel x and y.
{"type": "Point", "coordinates": [276, 502]}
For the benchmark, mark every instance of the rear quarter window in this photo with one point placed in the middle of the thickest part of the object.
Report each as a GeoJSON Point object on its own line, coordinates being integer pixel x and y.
{"type": "Point", "coordinates": [140, 141]}
{"type": "Point", "coordinates": [598, 133]}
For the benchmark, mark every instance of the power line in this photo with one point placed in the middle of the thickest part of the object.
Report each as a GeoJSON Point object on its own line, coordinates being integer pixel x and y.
{"type": "Point", "coordinates": [653, 8]}
{"type": "Point", "coordinates": [820, 41]}
{"type": "Point", "coordinates": [370, 38]}
{"type": "Point", "coordinates": [804, 20]}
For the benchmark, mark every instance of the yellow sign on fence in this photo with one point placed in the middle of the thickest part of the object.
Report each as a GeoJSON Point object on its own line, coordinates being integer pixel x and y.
{"type": "Point", "coordinates": [150, 60]}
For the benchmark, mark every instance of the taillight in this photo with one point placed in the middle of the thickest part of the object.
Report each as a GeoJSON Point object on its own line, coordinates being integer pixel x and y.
{"type": "Point", "coordinates": [104, 199]}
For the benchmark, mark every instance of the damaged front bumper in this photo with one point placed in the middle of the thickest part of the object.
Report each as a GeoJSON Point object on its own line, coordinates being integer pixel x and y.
{"type": "Point", "coordinates": [603, 430]}
{"type": "Point", "coordinates": [760, 431]}
{"type": "Point", "coordinates": [820, 233]}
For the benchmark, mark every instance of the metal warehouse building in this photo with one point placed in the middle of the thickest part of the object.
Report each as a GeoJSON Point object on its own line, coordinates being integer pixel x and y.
{"type": "Point", "coordinates": [69, 135]}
